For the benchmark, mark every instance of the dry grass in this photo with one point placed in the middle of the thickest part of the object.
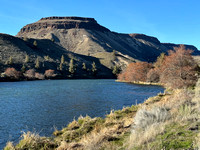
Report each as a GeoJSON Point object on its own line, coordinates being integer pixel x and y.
{"type": "Point", "coordinates": [29, 139]}
{"type": "Point", "coordinates": [34, 141]}
{"type": "Point", "coordinates": [173, 101]}
{"type": "Point", "coordinates": [77, 129]}
{"type": "Point", "coordinates": [141, 137]}
{"type": "Point", "coordinates": [111, 134]}
{"type": "Point", "coordinates": [105, 134]}
{"type": "Point", "coordinates": [185, 112]}
{"type": "Point", "coordinates": [94, 140]}
{"type": "Point", "coordinates": [196, 98]}
{"type": "Point", "coordinates": [147, 125]}
{"type": "Point", "coordinates": [107, 138]}
{"type": "Point", "coordinates": [69, 146]}
{"type": "Point", "coordinates": [9, 146]}
{"type": "Point", "coordinates": [63, 145]}
{"type": "Point", "coordinates": [145, 118]}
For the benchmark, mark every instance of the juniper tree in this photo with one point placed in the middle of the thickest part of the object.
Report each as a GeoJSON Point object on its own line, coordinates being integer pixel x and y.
{"type": "Point", "coordinates": [94, 69]}
{"type": "Point", "coordinates": [84, 66]}
{"type": "Point", "coordinates": [10, 62]}
{"type": "Point", "coordinates": [27, 59]}
{"type": "Point", "coordinates": [35, 43]}
{"type": "Point", "coordinates": [71, 66]}
{"type": "Point", "coordinates": [62, 60]}
{"type": "Point", "coordinates": [23, 69]}
{"type": "Point", "coordinates": [115, 70]}
{"type": "Point", "coordinates": [37, 63]}
{"type": "Point", "coordinates": [61, 67]}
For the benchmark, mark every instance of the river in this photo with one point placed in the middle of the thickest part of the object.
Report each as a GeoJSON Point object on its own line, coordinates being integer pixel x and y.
{"type": "Point", "coordinates": [40, 106]}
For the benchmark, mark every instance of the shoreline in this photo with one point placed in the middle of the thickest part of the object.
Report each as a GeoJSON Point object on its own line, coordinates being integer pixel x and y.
{"type": "Point", "coordinates": [140, 83]}
{"type": "Point", "coordinates": [13, 80]}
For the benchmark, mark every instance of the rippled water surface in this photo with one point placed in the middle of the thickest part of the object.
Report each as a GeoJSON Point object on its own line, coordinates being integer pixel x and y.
{"type": "Point", "coordinates": [40, 106]}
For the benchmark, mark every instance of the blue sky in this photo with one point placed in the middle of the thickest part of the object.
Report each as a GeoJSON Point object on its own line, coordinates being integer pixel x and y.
{"type": "Point", "coordinates": [175, 21]}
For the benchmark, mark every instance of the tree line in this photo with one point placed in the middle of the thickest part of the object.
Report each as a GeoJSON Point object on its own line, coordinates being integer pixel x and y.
{"type": "Point", "coordinates": [13, 74]}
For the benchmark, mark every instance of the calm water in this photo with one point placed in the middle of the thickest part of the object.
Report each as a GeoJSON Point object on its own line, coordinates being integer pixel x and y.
{"type": "Point", "coordinates": [42, 105]}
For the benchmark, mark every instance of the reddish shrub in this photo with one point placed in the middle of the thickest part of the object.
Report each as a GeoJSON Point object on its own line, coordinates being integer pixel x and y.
{"type": "Point", "coordinates": [136, 72]}
{"type": "Point", "coordinates": [13, 73]}
{"type": "Point", "coordinates": [30, 74]}
{"type": "Point", "coordinates": [50, 73]}
{"type": "Point", "coordinates": [121, 76]}
{"type": "Point", "coordinates": [153, 76]}
{"type": "Point", "coordinates": [39, 76]}
{"type": "Point", "coordinates": [179, 69]}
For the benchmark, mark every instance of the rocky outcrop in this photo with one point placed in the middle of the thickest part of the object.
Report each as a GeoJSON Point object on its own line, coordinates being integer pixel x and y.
{"type": "Point", "coordinates": [52, 23]}
{"type": "Point", "coordinates": [171, 46]}
{"type": "Point", "coordinates": [145, 38]}
{"type": "Point", "coordinates": [166, 46]}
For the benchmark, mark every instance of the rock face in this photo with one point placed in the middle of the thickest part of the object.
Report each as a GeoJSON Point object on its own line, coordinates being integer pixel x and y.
{"type": "Point", "coordinates": [62, 23]}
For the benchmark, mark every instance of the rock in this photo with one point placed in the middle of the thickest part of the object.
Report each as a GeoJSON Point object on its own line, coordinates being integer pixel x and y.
{"type": "Point", "coordinates": [52, 23]}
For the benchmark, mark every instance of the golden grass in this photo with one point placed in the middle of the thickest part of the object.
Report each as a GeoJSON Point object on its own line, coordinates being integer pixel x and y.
{"type": "Point", "coordinates": [141, 137]}
{"type": "Point", "coordinates": [29, 139]}
{"type": "Point", "coordinates": [9, 146]}
{"type": "Point", "coordinates": [34, 141]}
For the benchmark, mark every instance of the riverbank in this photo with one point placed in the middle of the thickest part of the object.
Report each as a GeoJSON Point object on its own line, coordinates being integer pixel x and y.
{"type": "Point", "coordinates": [56, 78]}
{"type": "Point", "coordinates": [166, 121]}
{"type": "Point", "coordinates": [139, 82]}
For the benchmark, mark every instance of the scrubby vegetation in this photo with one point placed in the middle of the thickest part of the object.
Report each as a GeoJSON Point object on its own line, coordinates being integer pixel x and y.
{"type": "Point", "coordinates": [175, 70]}
{"type": "Point", "coordinates": [38, 73]}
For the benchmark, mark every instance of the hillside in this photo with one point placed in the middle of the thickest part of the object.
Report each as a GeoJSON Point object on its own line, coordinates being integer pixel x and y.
{"type": "Point", "coordinates": [85, 36]}
{"type": "Point", "coordinates": [49, 54]}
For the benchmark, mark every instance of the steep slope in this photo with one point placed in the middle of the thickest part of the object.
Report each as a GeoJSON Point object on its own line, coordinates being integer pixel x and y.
{"type": "Point", "coordinates": [49, 55]}
{"type": "Point", "coordinates": [85, 36]}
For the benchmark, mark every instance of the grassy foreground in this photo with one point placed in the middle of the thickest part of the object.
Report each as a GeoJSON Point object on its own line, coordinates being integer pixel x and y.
{"type": "Point", "coordinates": [169, 120]}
